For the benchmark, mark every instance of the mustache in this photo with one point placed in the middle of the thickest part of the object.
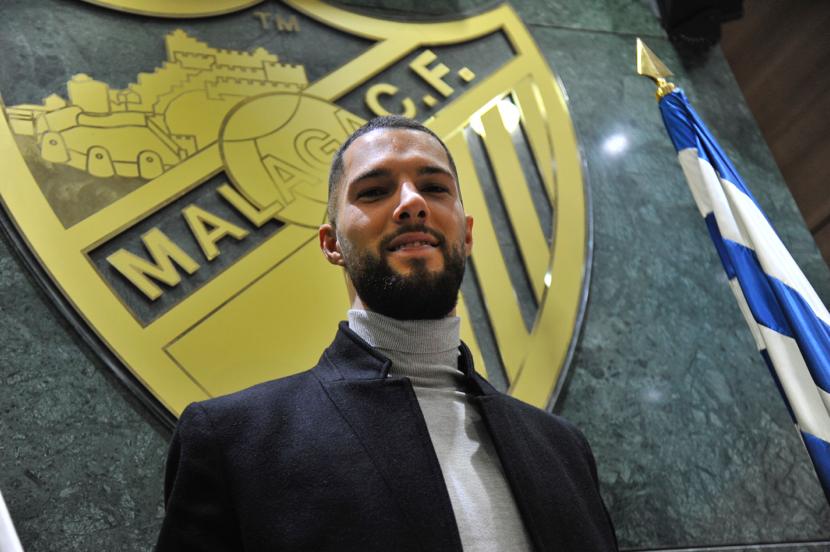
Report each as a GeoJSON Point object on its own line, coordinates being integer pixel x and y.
{"type": "Point", "coordinates": [384, 244]}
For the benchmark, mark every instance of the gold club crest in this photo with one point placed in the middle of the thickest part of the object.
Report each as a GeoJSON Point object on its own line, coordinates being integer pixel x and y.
{"type": "Point", "coordinates": [177, 215]}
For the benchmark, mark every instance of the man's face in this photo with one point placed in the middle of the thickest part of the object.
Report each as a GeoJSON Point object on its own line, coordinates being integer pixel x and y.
{"type": "Point", "coordinates": [401, 230]}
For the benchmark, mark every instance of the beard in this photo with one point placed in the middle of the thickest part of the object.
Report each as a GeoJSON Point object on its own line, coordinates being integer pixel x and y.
{"type": "Point", "coordinates": [420, 295]}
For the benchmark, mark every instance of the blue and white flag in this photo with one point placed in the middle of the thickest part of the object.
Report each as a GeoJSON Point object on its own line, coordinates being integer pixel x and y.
{"type": "Point", "coordinates": [790, 324]}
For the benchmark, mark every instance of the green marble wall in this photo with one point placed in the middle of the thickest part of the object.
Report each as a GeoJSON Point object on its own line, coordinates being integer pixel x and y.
{"type": "Point", "coordinates": [694, 447]}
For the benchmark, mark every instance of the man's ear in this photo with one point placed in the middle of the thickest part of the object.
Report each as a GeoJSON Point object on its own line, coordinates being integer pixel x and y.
{"type": "Point", "coordinates": [468, 235]}
{"type": "Point", "coordinates": [329, 245]}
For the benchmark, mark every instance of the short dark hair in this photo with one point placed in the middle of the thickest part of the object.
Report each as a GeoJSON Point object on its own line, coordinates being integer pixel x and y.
{"type": "Point", "coordinates": [387, 121]}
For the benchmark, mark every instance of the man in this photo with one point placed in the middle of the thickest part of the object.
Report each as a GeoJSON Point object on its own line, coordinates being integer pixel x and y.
{"type": "Point", "coordinates": [392, 442]}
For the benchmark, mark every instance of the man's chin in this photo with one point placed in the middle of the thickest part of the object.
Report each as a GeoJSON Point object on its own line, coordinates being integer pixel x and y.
{"type": "Point", "coordinates": [408, 287]}
{"type": "Point", "coordinates": [407, 266]}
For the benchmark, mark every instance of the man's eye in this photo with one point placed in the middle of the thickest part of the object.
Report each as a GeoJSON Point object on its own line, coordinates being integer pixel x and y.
{"type": "Point", "coordinates": [435, 188]}
{"type": "Point", "coordinates": [371, 193]}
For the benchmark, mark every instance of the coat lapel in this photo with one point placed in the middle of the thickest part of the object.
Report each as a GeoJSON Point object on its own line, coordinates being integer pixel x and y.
{"type": "Point", "coordinates": [385, 417]}
{"type": "Point", "coordinates": [513, 444]}
{"type": "Point", "coordinates": [537, 492]}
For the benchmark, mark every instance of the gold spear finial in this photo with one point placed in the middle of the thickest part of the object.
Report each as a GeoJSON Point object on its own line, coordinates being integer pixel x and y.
{"type": "Point", "coordinates": [649, 65]}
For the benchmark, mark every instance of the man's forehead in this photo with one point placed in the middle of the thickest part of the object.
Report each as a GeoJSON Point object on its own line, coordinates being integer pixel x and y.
{"type": "Point", "coordinates": [376, 145]}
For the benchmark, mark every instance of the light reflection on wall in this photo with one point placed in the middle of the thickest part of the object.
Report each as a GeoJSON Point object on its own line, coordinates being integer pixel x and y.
{"type": "Point", "coordinates": [615, 144]}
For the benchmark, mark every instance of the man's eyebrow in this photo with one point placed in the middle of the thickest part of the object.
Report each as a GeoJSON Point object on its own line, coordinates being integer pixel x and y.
{"type": "Point", "coordinates": [381, 173]}
{"type": "Point", "coordinates": [432, 169]}
{"type": "Point", "coordinates": [373, 173]}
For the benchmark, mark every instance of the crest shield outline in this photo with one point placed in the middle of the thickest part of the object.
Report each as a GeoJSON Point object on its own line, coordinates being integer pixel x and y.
{"type": "Point", "coordinates": [197, 347]}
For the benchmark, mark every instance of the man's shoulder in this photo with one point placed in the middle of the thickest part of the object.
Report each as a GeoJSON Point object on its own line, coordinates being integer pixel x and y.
{"type": "Point", "coordinates": [287, 401]}
{"type": "Point", "coordinates": [252, 405]}
{"type": "Point", "coordinates": [271, 389]}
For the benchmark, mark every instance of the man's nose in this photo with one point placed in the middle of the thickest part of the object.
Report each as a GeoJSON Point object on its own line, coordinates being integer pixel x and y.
{"type": "Point", "coordinates": [411, 205]}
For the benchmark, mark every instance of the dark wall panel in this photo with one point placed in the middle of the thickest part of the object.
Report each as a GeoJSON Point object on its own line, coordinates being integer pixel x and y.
{"type": "Point", "coordinates": [779, 52]}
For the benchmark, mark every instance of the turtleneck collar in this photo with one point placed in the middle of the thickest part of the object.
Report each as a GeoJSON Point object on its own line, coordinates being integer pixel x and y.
{"type": "Point", "coordinates": [426, 351]}
{"type": "Point", "coordinates": [406, 336]}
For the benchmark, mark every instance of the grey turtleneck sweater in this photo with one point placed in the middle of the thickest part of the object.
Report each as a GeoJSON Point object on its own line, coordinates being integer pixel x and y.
{"type": "Point", "coordinates": [426, 352]}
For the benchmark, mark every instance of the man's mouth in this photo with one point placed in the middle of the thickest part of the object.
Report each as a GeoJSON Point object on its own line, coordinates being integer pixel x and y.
{"type": "Point", "coordinates": [412, 241]}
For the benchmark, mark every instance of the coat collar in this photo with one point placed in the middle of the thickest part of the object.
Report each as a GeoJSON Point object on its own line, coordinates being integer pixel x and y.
{"type": "Point", "coordinates": [350, 357]}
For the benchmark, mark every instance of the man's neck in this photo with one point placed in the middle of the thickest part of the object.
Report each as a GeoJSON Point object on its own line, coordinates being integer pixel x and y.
{"type": "Point", "coordinates": [406, 336]}
{"type": "Point", "coordinates": [426, 351]}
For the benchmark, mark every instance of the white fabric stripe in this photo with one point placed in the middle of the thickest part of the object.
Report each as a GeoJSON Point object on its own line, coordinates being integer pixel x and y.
{"type": "Point", "coordinates": [774, 257]}
{"type": "Point", "coordinates": [690, 163]}
{"type": "Point", "coordinates": [707, 184]}
{"type": "Point", "coordinates": [810, 408]}
{"type": "Point", "coordinates": [735, 286]}
{"type": "Point", "coordinates": [8, 536]}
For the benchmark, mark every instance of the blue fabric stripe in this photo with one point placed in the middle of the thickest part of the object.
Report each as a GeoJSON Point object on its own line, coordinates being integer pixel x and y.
{"type": "Point", "coordinates": [779, 307]}
{"type": "Point", "coordinates": [677, 119]}
{"type": "Point", "coordinates": [687, 130]}
{"type": "Point", "coordinates": [811, 333]}
{"type": "Point", "coordinates": [717, 239]}
{"type": "Point", "coordinates": [757, 289]}
{"type": "Point", "coordinates": [820, 453]}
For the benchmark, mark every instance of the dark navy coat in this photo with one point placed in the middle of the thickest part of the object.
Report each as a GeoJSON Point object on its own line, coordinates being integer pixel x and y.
{"type": "Point", "coordinates": [339, 458]}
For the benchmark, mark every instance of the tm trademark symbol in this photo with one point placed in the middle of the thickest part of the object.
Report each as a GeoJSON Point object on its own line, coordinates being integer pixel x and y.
{"type": "Point", "coordinates": [276, 21]}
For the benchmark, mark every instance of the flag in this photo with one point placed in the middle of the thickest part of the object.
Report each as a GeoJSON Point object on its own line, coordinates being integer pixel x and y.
{"type": "Point", "coordinates": [8, 536]}
{"type": "Point", "coordinates": [790, 324]}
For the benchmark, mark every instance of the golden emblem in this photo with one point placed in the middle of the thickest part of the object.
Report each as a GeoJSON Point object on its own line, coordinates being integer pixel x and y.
{"type": "Point", "coordinates": [178, 215]}
{"type": "Point", "coordinates": [284, 159]}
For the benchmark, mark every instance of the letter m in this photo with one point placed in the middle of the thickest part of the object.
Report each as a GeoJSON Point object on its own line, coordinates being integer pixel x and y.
{"type": "Point", "coordinates": [163, 252]}
{"type": "Point", "coordinates": [290, 25]}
